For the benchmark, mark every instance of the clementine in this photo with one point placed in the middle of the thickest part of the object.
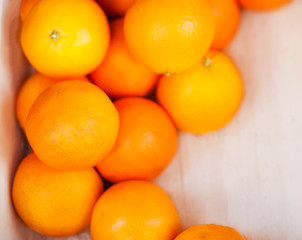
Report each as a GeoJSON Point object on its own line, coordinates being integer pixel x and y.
{"type": "Point", "coordinates": [134, 210]}
{"type": "Point", "coordinates": [227, 19]}
{"type": "Point", "coordinates": [54, 203]}
{"type": "Point", "coordinates": [31, 89]}
{"type": "Point", "coordinates": [72, 125]}
{"type": "Point", "coordinates": [169, 36]}
{"type": "Point", "coordinates": [120, 75]}
{"type": "Point", "coordinates": [60, 45]}
{"type": "Point", "coordinates": [205, 97]}
{"type": "Point", "coordinates": [210, 232]}
{"type": "Point", "coordinates": [145, 144]}
{"type": "Point", "coordinates": [26, 7]}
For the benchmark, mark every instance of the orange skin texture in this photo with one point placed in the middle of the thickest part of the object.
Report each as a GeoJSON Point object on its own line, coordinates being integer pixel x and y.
{"type": "Point", "coordinates": [136, 210]}
{"type": "Point", "coordinates": [145, 145]}
{"type": "Point", "coordinates": [259, 5]}
{"type": "Point", "coordinates": [72, 125]}
{"type": "Point", "coordinates": [210, 232]}
{"type": "Point", "coordinates": [26, 7]}
{"type": "Point", "coordinates": [115, 8]}
{"type": "Point", "coordinates": [30, 91]}
{"type": "Point", "coordinates": [120, 75]}
{"type": "Point", "coordinates": [227, 19]}
{"type": "Point", "coordinates": [169, 36]}
{"type": "Point", "coordinates": [203, 98]}
{"type": "Point", "coordinates": [66, 47]}
{"type": "Point", "coordinates": [54, 203]}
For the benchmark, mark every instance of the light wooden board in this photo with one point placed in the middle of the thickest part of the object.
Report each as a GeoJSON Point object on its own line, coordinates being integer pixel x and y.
{"type": "Point", "coordinates": [247, 175]}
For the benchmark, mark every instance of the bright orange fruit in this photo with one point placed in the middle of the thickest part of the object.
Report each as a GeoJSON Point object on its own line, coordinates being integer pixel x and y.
{"type": "Point", "coordinates": [63, 41]}
{"type": "Point", "coordinates": [134, 210]}
{"type": "Point", "coordinates": [115, 8]}
{"type": "Point", "coordinates": [145, 145]}
{"type": "Point", "coordinates": [205, 97]}
{"type": "Point", "coordinates": [72, 125]}
{"type": "Point", "coordinates": [210, 232]}
{"type": "Point", "coordinates": [31, 89]}
{"type": "Point", "coordinates": [262, 4]}
{"type": "Point", "coordinates": [227, 19]}
{"type": "Point", "coordinates": [26, 7]}
{"type": "Point", "coordinates": [120, 75]}
{"type": "Point", "coordinates": [169, 36]}
{"type": "Point", "coordinates": [54, 203]}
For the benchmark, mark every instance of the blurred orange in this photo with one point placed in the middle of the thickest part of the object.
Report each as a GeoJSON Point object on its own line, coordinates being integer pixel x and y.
{"type": "Point", "coordinates": [26, 7]}
{"type": "Point", "coordinates": [210, 232]}
{"type": "Point", "coordinates": [262, 4]}
{"type": "Point", "coordinates": [169, 36]}
{"type": "Point", "coordinates": [115, 8]}
{"type": "Point", "coordinates": [120, 75]}
{"type": "Point", "coordinates": [72, 125]}
{"type": "Point", "coordinates": [54, 203]}
{"type": "Point", "coordinates": [145, 145]}
{"type": "Point", "coordinates": [134, 210]}
{"type": "Point", "coordinates": [60, 42]}
{"type": "Point", "coordinates": [227, 19]}
{"type": "Point", "coordinates": [205, 97]}
{"type": "Point", "coordinates": [31, 89]}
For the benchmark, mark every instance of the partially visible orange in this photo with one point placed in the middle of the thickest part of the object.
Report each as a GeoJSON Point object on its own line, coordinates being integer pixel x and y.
{"type": "Point", "coordinates": [169, 36]}
{"type": "Point", "coordinates": [26, 7]}
{"type": "Point", "coordinates": [54, 203]}
{"type": "Point", "coordinates": [120, 75]}
{"type": "Point", "coordinates": [31, 89]}
{"type": "Point", "coordinates": [210, 232]}
{"type": "Point", "coordinates": [65, 38]}
{"type": "Point", "coordinates": [227, 19]}
{"type": "Point", "coordinates": [205, 97]}
{"type": "Point", "coordinates": [262, 4]}
{"type": "Point", "coordinates": [145, 144]}
{"type": "Point", "coordinates": [115, 8]}
{"type": "Point", "coordinates": [72, 125]}
{"type": "Point", "coordinates": [135, 210]}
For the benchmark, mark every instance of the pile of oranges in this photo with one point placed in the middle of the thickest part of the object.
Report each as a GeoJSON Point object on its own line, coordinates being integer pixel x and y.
{"type": "Point", "coordinates": [89, 53]}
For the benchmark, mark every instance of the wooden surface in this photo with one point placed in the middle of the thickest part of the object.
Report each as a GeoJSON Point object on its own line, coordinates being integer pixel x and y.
{"type": "Point", "coordinates": [247, 175]}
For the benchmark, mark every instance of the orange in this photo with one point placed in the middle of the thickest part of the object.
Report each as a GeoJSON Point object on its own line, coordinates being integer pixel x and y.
{"type": "Point", "coordinates": [135, 210]}
{"type": "Point", "coordinates": [210, 232]}
{"type": "Point", "coordinates": [26, 7]}
{"type": "Point", "coordinates": [115, 8]}
{"type": "Point", "coordinates": [170, 35]}
{"type": "Point", "coordinates": [63, 41]}
{"type": "Point", "coordinates": [205, 97]}
{"type": "Point", "coordinates": [52, 202]}
{"type": "Point", "coordinates": [120, 75]}
{"type": "Point", "coordinates": [145, 144]}
{"type": "Point", "coordinates": [72, 125]}
{"type": "Point", "coordinates": [227, 19]}
{"type": "Point", "coordinates": [262, 4]}
{"type": "Point", "coordinates": [31, 89]}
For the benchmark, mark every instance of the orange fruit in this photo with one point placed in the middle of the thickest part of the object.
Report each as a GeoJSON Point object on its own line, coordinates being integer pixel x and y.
{"type": "Point", "coordinates": [210, 232]}
{"type": "Point", "coordinates": [115, 8]}
{"type": "Point", "coordinates": [54, 203]}
{"type": "Point", "coordinates": [262, 4]}
{"type": "Point", "coordinates": [205, 97]}
{"type": "Point", "coordinates": [145, 144]}
{"type": "Point", "coordinates": [170, 35]}
{"type": "Point", "coordinates": [26, 7]}
{"type": "Point", "coordinates": [72, 125]}
{"type": "Point", "coordinates": [57, 44]}
{"type": "Point", "coordinates": [227, 19]}
{"type": "Point", "coordinates": [31, 89]}
{"type": "Point", "coordinates": [134, 210]}
{"type": "Point", "coordinates": [120, 75]}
